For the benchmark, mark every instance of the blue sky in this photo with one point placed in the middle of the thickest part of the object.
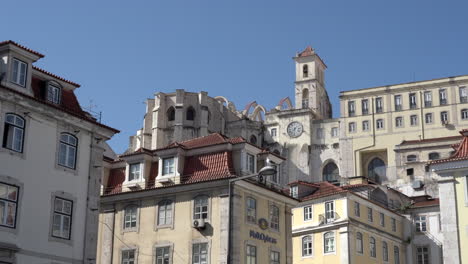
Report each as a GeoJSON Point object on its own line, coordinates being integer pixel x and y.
{"type": "Point", "coordinates": [123, 52]}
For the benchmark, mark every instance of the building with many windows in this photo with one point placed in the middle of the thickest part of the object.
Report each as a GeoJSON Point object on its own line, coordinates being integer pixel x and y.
{"type": "Point", "coordinates": [187, 203]}
{"type": "Point", "coordinates": [51, 164]}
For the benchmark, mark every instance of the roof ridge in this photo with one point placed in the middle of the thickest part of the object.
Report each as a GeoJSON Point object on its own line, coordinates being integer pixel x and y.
{"type": "Point", "coordinates": [55, 76]}
{"type": "Point", "coordinates": [22, 47]}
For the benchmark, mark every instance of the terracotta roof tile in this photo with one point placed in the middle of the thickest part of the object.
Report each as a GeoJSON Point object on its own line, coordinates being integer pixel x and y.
{"type": "Point", "coordinates": [427, 140]}
{"type": "Point", "coordinates": [307, 52]}
{"type": "Point", "coordinates": [310, 184]}
{"type": "Point", "coordinates": [116, 179]}
{"type": "Point", "coordinates": [461, 153]}
{"type": "Point", "coordinates": [325, 189]}
{"type": "Point", "coordinates": [208, 167]}
{"type": "Point", "coordinates": [55, 76]}
{"type": "Point", "coordinates": [22, 47]}
{"type": "Point", "coordinates": [428, 202]}
{"type": "Point", "coordinates": [153, 174]}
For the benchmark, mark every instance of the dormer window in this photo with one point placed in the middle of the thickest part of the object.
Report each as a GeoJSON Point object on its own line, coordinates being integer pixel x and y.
{"type": "Point", "coordinates": [294, 191]}
{"type": "Point", "coordinates": [250, 163]}
{"type": "Point", "coordinates": [53, 93]}
{"type": "Point", "coordinates": [168, 166]}
{"type": "Point", "coordinates": [20, 69]}
{"type": "Point", "coordinates": [134, 172]}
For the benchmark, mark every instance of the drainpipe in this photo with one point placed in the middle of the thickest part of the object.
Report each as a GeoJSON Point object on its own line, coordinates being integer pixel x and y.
{"type": "Point", "coordinates": [373, 139]}
{"type": "Point", "coordinates": [87, 196]}
{"type": "Point", "coordinates": [422, 115]}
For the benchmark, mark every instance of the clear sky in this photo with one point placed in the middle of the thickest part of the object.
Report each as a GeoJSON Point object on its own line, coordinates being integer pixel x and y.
{"type": "Point", "coordinates": [122, 52]}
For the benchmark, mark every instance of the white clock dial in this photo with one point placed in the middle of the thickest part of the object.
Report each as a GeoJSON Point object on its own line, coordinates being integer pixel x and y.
{"type": "Point", "coordinates": [294, 129]}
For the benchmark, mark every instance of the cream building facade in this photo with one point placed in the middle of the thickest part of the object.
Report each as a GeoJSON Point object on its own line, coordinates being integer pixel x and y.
{"type": "Point", "coordinates": [50, 158]}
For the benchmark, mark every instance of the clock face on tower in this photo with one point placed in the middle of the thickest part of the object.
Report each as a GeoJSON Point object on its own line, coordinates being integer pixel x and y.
{"type": "Point", "coordinates": [294, 129]}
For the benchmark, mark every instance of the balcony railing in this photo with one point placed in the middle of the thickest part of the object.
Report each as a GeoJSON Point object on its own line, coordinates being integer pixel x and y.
{"type": "Point", "coordinates": [463, 99]}
{"type": "Point", "coordinates": [413, 106]}
{"type": "Point", "coordinates": [443, 101]}
{"type": "Point", "coordinates": [427, 103]}
{"type": "Point", "coordinates": [398, 107]}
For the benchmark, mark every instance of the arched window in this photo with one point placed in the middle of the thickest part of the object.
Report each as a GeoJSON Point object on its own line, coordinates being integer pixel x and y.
{"type": "Point", "coordinates": [190, 115]}
{"type": "Point", "coordinates": [305, 98]}
{"type": "Point", "coordinates": [200, 208]}
{"type": "Point", "coordinates": [372, 248]}
{"type": "Point", "coordinates": [130, 217]}
{"type": "Point", "coordinates": [171, 114]}
{"type": "Point", "coordinates": [67, 150]}
{"type": "Point", "coordinates": [331, 172]}
{"type": "Point", "coordinates": [307, 246]}
{"type": "Point", "coordinates": [165, 212]}
{"type": "Point", "coordinates": [13, 135]}
{"type": "Point", "coordinates": [411, 158]}
{"type": "Point", "coordinates": [359, 246]}
{"type": "Point", "coordinates": [274, 217]}
{"type": "Point", "coordinates": [384, 251]}
{"type": "Point", "coordinates": [305, 71]}
{"type": "Point", "coordinates": [376, 170]}
{"type": "Point", "coordinates": [434, 156]}
{"type": "Point", "coordinates": [329, 242]}
{"type": "Point", "coordinates": [253, 139]}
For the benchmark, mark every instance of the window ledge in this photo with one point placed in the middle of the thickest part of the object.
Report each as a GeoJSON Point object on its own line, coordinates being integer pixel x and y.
{"type": "Point", "coordinates": [61, 240]}
{"type": "Point", "coordinates": [13, 153]}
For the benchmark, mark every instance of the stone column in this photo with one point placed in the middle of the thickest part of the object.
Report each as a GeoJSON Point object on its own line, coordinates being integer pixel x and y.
{"type": "Point", "coordinates": [448, 214]}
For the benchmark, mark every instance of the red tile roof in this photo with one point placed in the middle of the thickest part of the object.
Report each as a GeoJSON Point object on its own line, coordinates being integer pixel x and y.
{"type": "Point", "coordinates": [208, 167]}
{"type": "Point", "coordinates": [136, 152]}
{"type": "Point", "coordinates": [310, 184]}
{"type": "Point", "coordinates": [325, 189]}
{"type": "Point", "coordinates": [22, 47]}
{"type": "Point", "coordinates": [153, 174]}
{"type": "Point", "coordinates": [309, 51]}
{"type": "Point", "coordinates": [116, 179]}
{"type": "Point", "coordinates": [426, 203]}
{"type": "Point", "coordinates": [461, 153]}
{"type": "Point", "coordinates": [428, 140]}
{"type": "Point", "coordinates": [212, 139]}
{"type": "Point", "coordinates": [55, 76]}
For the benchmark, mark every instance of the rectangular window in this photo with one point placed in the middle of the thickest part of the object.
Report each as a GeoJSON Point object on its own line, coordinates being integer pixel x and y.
{"type": "Point", "coordinates": [329, 212]}
{"type": "Point", "coordinates": [427, 99]}
{"type": "Point", "coordinates": [442, 97]}
{"type": "Point", "coordinates": [421, 223]}
{"type": "Point", "coordinates": [135, 172]}
{"type": "Point", "coordinates": [398, 103]}
{"type": "Point", "coordinates": [61, 226]}
{"type": "Point", "coordinates": [251, 254]}
{"type": "Point", "coordinates": [370, 216]}
{"type": "Point", "coordinates": [428, 117]}
{"type": "Point", "coordinates": [274, 257]}
{"type": "Point", "coordinates": [414, 120]}
{"type": "Point", "coordinates": [444, 117]}
{"type": "Point", "coordinates": [67, 150]}
{"type": "Point", "coordinates": [274, 217]}
{"type": "Point", "coordinates": [200, 253]}
{"type": "Point", "coordinates": [393, 224]}
{"type": "Point", "coordinates": [53, 93]}
{"type": "Point", "coordinates": [294, 191]}
{"type": "Point", "coordinates": [464, 114]}
{"type": "Point", "coordinates": [13, 134]}
{"type": "Point", "coordinates": [168, 166]}
{"type": "Point", "coordinates": [422, 255]}
{"type": "Point", "coordinates": [412, 100]}
{"type": "Point", "coordinates": [351, 108]}
{"type": "Point", "coordinates": [19, 72]}
{"type": "Point", "coordinates": [463, 95]}
{"type": "Point", "coordinates": [399, 121]}
{"type": "Point", "coordinates": [307, 213]}
{"type": "Point", "coordinates": [365, 106]}
{"type": "Point", "coordinates": [382, 219]}
{"type": "Point", "coordinates": [410, 172]}
{"type": "Point", "coordinates": [380, 124]}
{"type": "Point", "coordinates": [8, 205]}
{"type": "Point", "coordinates": [273, 132]}
{"type": "Point", "coordinates": [365, 125]}
{"type": "Point", "coordinates": [379, 105]}
{"type": "Point", "coordinates": [162, 255]}
{"type": "Point", "coordinates": [250, 163]}
{"type": "Point", "coordinates": [357, 209]}
{"type": "Point", "coordinates": [334, 132]}
{"type": "Point", "coordinates": [128, 256]}
{"type": "Point", "coordinates": [251, 212]}
{"type": "Point", "coordinates": [352, 127]}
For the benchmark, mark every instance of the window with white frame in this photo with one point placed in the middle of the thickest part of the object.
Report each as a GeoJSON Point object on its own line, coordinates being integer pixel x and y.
{"type": "Point", "coordinates": [411, 158]}
{"type": "Point", "coordinates": [128, 256]}
{"type": "Point", "coordinates": [365, 125]}
{"type": "Point", "coordinates": [399, 121]}
{"type": "Point", "coordinates": [384, 251]}
{"type": "Point", "coordinates": [464, 114]}
{"type": "Point", "coordinates": [396, 254]}
{"type": "Point", "coordinates": [200, 253]}
{"type": "Point", "coordinates": [427, 99]}
{"type": "Point", "coordinates": [67, 150]}
{"type": "Point", "coordinates": [8, 204]}
{"type": "Point", "coordinates": [393, 224]}
{"type": "Point", "coordinates": [273, 132]}
{"type": "Point", "coordinates": [442, 97]}
{"type": "Point", "coordinates": [134, 172]}
{"type": "Point", "coordinates": [357, 209]}
{"type": "Point", "coordinates": [168, 166]}
{"type": "Point", "coordinates": [20, 69]}
{"type": "Point", "coordinates": [365, 106]}
{"type": "Point", "coordinates": [251, 254]}
{"type": "Point", "coordinates": [359, 243]}
{"type": "Point", "coordinates": [412, 100]}
{"type": "Point", "coordinates": [351, 108]}
{"type": "Point", "coordinates": [422, 255]}
{"type": "Point", "coordinates": [463, 94]}
{"type": "Point", "coordinates": [329, 211]}
{"type": "Point", "coordinates": [200, 210]}
{"type": "Point", "coordinates": [334, 132]}
{"type": "Point", "coordinates": [250, 163]}
{"type": "Point", "coordinates": [294, 191]}
{"type": "Point", "coordinates": [62, 218]}
{"type": "Point", "coordinates": [372, 249]}
{"type": "Point", "coordinates": [165, 212]}
{"type": "Point", "coordinates": [370, 215]}
{"type": "Point", "coordinates": [420, 222]}
{"type": "Point", "coordinates": [274, 257]}
{"type": "Point", "coordinates": [130, 217]}
{"type": "Point", "coordinates": [53, 93]}
{"type": "Point", "coordinates": [251, 210]}
{"type": "Point", "coordinates": [380, 124]}
{"type": "Point", "coordinates": [308, 213]}
{"type": "Point", "coordinates": [307, 246]}
{"type": "Point", "coordinates": [379, 105]}
{"type": "Point", "coordinates": [352, 127]}
{"type": "Point", "coordinates": [13, 135]}
{"type": "Point", "coordinates": [274, 217]}
{"type": "Point", "coordinates": [382, 219]}
{"type": "Point", "coordinates": [428, 118]}
{"type": "Point", "coordinates": [163, 255]}
{"type": "Point", "coordinates": [329, 242]}
{"type": "Point", "coordinates": [414, 120]}
{"type": "Point", "coordinates": [444, 116]}
{"type": "Point", "coordinates": [398, 103]}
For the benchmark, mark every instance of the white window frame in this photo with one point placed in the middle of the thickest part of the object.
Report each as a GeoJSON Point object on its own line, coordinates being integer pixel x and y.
{"type": "Point", "coordinates": [394, 227]}
{"type": "Point", "coordinates": [136, 172]}
{"type": "Point", "coordinates": [413, 120]}
{"type": "Point", "coordinates": [444, 116]}
{"type": "Point", "coordinates": [168, 166]}
{"type": "Point", "coordinates": [365, 106]}
{"type": "Point", "coordinates": [443, 96]}
{"type": "Point", "coordinates": [61, 215]}
{"type": "Point", "coordinates": [68, 150]}
{"type": "Point", "coordinates": [420, 223]}
{"type": "Point", "coordinates": [273, 132]}
{"type": "Point", "coordinates": [274, 217]}
{"type": "Point", "coordinates": [250, 163]}
{"type": "Point", "coordinates": [307, 246]}
{"type": "Point", "coordinates": [370, 215]}
{"type": "Point", "coordinates": [372, 247]}
{"type": "Point", "coordinates": [329, 211]}
{"type": "Point", "coordinates": [464, 114]}
{"type": "Point", "coordinates": [308, 213]}
{"type": "Point", "coordinates": [398, 102]}
{"type": "Point", "coordinates": [422, 253]}
{"type": "Point", "coordinates": [251, 254]}
{"type": "Point", "coordinates": [398, 121]}
{"type": "Point", "coordinates": [14, 131]}
{"type": "Point", "coordinates": [413, 101]}
{"type": "Point", "coordinates": [429, 118]}
{"type": "Point", "coordinates": [200, 253]}
{"type": "Point", "coordinates": [165, 213]}
{"type": "Point", "coordinates": [326, 247]}
{"type": "Point", "coordinates": [380, 124]}
{"type": "Point", "coordinates": [382, 219]}
{"type": "Point", "coordinates": [18, 76]}
{"type": "Point", "coordinates": [351, 108]}
{"type": "Point", "coordinates": [334, 132]}
{"type": "Point", "coordinates": [201, 209]}
{"type": "Point", "coordinates": [53, 93]}
{"type": "Point", "coordinates": [294, 191]}
{"type": "Point", "coordinates": [251, 212]}
{"type": "Point", "coordinates": [352, 127]}
{"type": "Point", "coordinates": [427, 98]}
{"type": "Point", "coordinates": [130, 217]}
{"type": "Point", "coordinates": [160, 259]}
{"type": "Point", "coordinates": [126, 259]}
{"type": "Point", "coordinates": [359, 243]}
{"type": "Point", "coordinates": [365, 125]}
{"type": "Point", "coordinates": [275, 257]}
{"type": "Point", "coordinates": [384, 251]}
{"type": "Point", "coordinates": [379, 105]}
{"type": "Point", "coordinates": [357, 209]}
{"type": "Point", "coordinates": [9, 200]}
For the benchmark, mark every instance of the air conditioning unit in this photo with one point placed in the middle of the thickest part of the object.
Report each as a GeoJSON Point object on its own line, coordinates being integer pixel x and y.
{"type": "Point", "coordinates": [198, 223]}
